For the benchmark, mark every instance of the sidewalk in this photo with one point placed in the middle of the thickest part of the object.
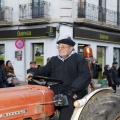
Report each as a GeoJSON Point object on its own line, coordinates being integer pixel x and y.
{"type": "Point", "coordinates": [118, 90]}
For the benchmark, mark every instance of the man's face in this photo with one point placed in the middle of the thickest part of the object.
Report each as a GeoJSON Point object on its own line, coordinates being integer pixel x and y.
{"type": "Point", "coordinates": [32, 65]}
{"type": "Point", "coordinates": [64, 50]}
{"type": "Point", "coordinates": [115, 65]}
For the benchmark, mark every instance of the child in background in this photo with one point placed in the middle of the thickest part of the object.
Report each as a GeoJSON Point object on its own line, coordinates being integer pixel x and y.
{"type": "Point", "coordinates": [104, 81]}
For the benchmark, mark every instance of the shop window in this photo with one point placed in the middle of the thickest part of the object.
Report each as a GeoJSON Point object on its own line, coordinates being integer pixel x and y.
{"type": "Point", "coordinates": [38, 52]}
{"type": "Point", "coordinates": [101, 57]}
{"type": "Point", "coordinates": [2, 51]}
{"type": "Point", "coordinates": [116, 55]}
{"type": "Point", "coordinates": [81, 48]}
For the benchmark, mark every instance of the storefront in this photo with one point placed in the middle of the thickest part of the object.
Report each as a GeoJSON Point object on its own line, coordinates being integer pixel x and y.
{"type": "Point", "coordinates": [105, 45]}
{"type": "Point", "coordinates": [25, 45]}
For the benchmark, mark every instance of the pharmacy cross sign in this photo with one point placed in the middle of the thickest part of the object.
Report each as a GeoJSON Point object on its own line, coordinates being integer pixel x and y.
{"type": "Point", "coordinates": [19, 43]}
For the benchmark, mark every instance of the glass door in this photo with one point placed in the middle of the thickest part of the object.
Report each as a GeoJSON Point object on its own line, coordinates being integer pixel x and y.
{"type": "Point", "coordinates": [38, 53]}
{"type": "Point", "coordinates": [116, 55]}
{"type": "Point", "coordinates": [101, 57]}
{"type": "Point", "coordinates": [81, 48]}
{"type": "Point", "coordinates": [2, 52]}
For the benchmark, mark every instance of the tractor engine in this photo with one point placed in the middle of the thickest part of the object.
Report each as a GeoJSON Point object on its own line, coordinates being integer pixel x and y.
{"type": "Point", "coordinates": [26, 102]}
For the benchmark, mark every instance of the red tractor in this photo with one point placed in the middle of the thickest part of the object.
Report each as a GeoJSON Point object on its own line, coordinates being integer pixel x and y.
{"type": "Point", "coordinates": [34, 102]}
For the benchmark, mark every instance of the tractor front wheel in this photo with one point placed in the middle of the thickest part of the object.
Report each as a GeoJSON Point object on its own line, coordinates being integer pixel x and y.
{"type": "Point", "coordinates": [106, 107]}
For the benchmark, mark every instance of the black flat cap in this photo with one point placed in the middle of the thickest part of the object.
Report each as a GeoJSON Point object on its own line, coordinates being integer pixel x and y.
{"type": "Point", "coordinates": [114, 63]}
{"type": "Point", "coordinates": [67, 41]}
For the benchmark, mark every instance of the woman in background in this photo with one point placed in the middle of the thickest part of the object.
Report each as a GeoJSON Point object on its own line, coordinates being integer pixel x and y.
{"type": "Point", "coordinates": [10, 73]}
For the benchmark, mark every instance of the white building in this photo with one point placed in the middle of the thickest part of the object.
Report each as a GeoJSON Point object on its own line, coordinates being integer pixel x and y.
{"type": "Point", "coordinates": [37, 25]}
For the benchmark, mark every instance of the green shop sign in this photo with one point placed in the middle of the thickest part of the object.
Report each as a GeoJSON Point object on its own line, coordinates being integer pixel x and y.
{"type": "Point", "coordinates": [27, 33]}
{"type": "Point", "coordinates": [85, 34]}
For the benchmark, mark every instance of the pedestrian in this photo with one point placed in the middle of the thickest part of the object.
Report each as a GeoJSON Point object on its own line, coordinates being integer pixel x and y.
{"type": "Point", "coordinates": [10, 73]}
{"type": "Point", "coordinates": [114, 74]}
{"type": "Point", "coordinates": [72, 69]}
{"type": "Point", "coordinates": [95, 68]}
{"type": "Point", "coordinates": [104, 81]}
{"type": "Point", "coordinates": [32, 68]}
{"type": "Point", "coordinates": [2, 75]}
{"type": "Point", "coordinates": [108, 73]}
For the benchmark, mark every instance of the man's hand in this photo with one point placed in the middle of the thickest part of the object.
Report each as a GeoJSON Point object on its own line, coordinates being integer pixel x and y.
{"type": "Point", "coordinates": [29, 76]}
{"type": "Point", "coordinates": [75, 96]}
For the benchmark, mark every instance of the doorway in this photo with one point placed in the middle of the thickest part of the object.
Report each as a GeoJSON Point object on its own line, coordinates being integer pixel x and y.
{"type": "Point", "coordinates": [2, 52]}
{"type": "Point", "coordinates": [101, 57]}
{"type": "Point", "coordinates": [38, 53]}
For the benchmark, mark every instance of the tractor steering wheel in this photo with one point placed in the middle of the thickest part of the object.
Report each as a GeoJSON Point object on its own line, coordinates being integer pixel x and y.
{"type": "Point", "coordinates": [46, 81]}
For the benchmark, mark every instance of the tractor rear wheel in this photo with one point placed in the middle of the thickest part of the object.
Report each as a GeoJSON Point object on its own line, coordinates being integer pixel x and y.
{"type": "Point", "coordinates": [106, 107]}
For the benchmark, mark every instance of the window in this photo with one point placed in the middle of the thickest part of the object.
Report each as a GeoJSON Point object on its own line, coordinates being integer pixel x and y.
{"type": "Point", "coordinates": [2, 10]}
{"type": "Point", "coordinates": [81, 48]}
{"type": "Point", "coordinates": [2, 5]}
{"type": "Point", "coordinates": [102, 11]}
{"type": "Point", "coordinates": [116, 55]}
{"type": "Point", "coordinates": [37, 8]}
{"type": "Point", "coordinates": [81, 8]}
{"type": "Point", "coordinates": [38, 53]}
{"type": "Point", "coordinates": [118, 12]}
{"type": "Point", "coordinates": [101, 57]}
{"type": "Point", "coordinates": [2, 51]}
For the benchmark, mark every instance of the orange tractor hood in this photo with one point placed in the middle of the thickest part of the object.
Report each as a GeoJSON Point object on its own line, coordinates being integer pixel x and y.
{"type": "Point", "coordinates": [27, 101]}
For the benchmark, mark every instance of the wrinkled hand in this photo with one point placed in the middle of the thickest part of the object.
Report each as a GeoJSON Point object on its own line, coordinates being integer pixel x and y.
{"type": "Point", "coordinates": [29, 76]}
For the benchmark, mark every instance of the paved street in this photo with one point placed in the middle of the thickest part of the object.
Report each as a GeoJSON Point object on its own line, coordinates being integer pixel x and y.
{"type": "Point", "coordinates": [118, 90]}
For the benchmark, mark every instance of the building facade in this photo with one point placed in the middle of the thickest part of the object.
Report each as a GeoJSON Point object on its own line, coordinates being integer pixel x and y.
{"type": "Point", "coordinates": [29, 30]}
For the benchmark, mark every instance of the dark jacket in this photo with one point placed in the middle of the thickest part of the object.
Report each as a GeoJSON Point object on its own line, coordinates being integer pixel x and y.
{"type": "Point", "coordinates": [73, 71]}
{"type": "Point", "coordinates": [95, 70]}
{"type": "Point", "coordinates": [109, 77]}
{"type": "Point", "coordinates": [114, 72]}
{"type": "Point", "coordinates": [30, 71]}
{"type": "Point", "coordinates": [2, 78]}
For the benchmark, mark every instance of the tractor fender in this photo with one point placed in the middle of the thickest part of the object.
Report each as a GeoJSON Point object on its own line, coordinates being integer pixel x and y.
{"type": "Point", "coordinates": [89, 98]}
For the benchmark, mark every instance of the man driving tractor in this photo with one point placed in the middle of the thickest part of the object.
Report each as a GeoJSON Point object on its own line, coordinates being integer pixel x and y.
{"type": "Point", "coordinates": [72, 69]}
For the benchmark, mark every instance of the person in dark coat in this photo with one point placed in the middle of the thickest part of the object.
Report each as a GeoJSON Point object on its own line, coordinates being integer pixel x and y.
{"type": "Point", "coordinates": [114, 73]}
{"type": "Point", "coordinates": [32, 69]}
{"type": "Point", "coordinates": [72, 69]}
{"type": "Point", "coordinates": [108, 73]}
{"type": "Point", "coordinates": [2, 75]}
{"type": "Point", "coordinates": [96, 68]}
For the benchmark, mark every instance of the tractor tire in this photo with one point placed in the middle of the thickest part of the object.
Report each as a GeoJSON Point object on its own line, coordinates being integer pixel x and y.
{"type": "Point", "coordinates": [106, 107]}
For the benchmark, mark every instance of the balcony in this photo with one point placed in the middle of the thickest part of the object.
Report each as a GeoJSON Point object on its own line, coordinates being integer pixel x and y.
{"type": "Point", "coordinates": [96, 16]}
{"type": "Point", "coordinates": [34, 12]}
{"type": "Point", "coordinates": [6, 16]}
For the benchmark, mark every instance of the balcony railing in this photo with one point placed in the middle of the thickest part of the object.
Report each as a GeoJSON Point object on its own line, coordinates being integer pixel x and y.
{"type": "Point", "coordinates": [6, 14]}
{"type": "Point", "coordinates": [34, 10]}
{"type": "Point", "coordinates": [98, 13]}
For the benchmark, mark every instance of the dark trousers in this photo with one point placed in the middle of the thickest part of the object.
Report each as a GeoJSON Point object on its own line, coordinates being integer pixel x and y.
{"type": "Point", "coordinates": [114, 87]}
{"type": "Point", "coordinates": [10, 85]}
{"type": "Point", "coordinates": [67, 111]}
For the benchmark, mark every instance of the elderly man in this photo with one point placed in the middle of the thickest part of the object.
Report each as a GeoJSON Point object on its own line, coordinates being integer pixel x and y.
{"type": "Point", "coordinates": [72, 69]}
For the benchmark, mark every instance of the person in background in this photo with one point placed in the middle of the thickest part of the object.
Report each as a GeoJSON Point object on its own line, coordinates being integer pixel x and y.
{"type": "Point", "coordinates": [108, 73]}
{"type": "Point", "coordinates": [10, 73]}
{"type": "Point", "coordinates": [32, 68]}
{"type": "Point", "coordinates": [2, 75]}
{"type": "Point", "coordinates": [72, 69]}
{"type": "Point", "coordinates": [114, 74]}
{"type": "Point", "coordinates": [95, 68]}
{"type": "Point", "coordinates": [104, 81]}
